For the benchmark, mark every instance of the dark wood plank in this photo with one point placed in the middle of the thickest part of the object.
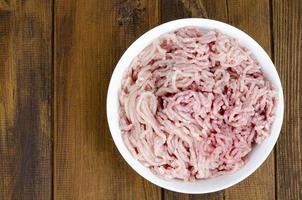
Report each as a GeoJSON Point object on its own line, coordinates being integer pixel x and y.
{"type": "Point", "coordinates": [25, 99]}
{"type": "Point", "coordinates": [90, 38]}
{"type": "Point", "coordinates": [287, 23]}
{"type": "Point", "coordinates": [172, 10]}
{"type": "Point", "coordinates": [255, 22]}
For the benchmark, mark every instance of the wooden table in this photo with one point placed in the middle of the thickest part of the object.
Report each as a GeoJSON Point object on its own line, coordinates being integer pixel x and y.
{"type": "Point", "coordinates": [56, 59]}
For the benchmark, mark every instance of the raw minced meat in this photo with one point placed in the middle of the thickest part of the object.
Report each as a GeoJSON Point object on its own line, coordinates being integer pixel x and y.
{"type": "Point", "coordinates": [193, 103]}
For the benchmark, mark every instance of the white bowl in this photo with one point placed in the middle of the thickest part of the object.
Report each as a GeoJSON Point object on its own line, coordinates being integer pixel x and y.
{"type": "Point", "coordinates": [255, 158]}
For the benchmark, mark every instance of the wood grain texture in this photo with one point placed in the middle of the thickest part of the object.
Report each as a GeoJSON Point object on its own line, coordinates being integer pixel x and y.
{"type": "Point", "coordinates": [287, 36]}
{"type": "Point", "coordinates": [4, 6]}
{"type": "Point", "coordinates": [172, 10]}
{"type": "Point", "coordinates": [25, 99]}
{"type": "Point", "coordinates": [54, 138]}
{"type": "Point", "coordinates": [90, 37]}
{"type": "Point", "coordinates": [245, 15]}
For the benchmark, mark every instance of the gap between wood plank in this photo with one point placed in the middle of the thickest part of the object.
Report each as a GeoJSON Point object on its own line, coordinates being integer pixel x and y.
{"type": "Point", "coordinates": [52, 97]}
{"type": "Point", "coordinates": [273, 59]}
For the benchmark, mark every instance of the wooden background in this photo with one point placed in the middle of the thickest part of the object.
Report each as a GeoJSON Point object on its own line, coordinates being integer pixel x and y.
{"type": "Point", "coordinates": [56, 59]}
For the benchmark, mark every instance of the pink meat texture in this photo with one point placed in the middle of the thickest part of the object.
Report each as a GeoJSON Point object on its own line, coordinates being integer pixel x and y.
{"type": "Point", "coordinates": [193, 104]}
